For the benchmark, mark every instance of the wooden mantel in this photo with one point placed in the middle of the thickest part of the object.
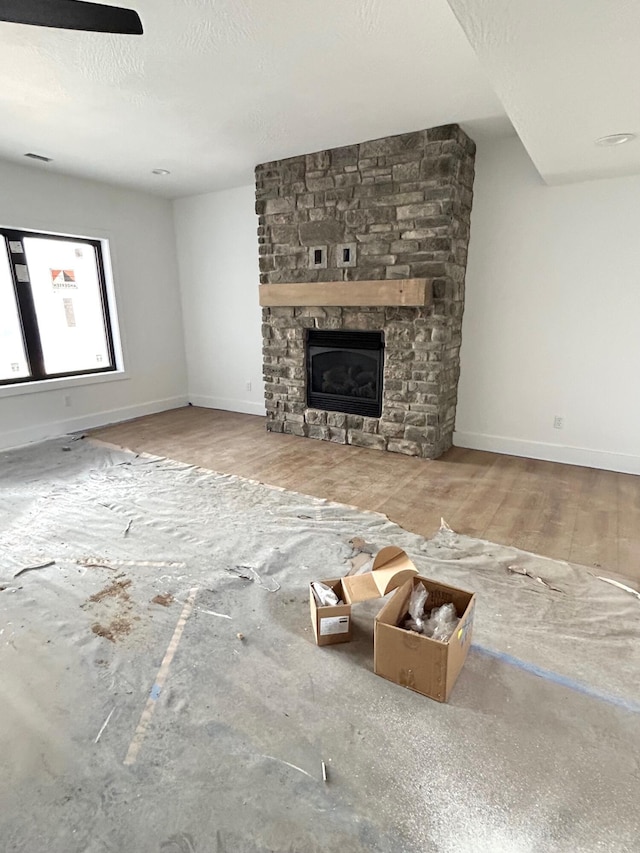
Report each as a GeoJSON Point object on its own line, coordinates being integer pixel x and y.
{"type": "Point", "coordinates": [347, 294]}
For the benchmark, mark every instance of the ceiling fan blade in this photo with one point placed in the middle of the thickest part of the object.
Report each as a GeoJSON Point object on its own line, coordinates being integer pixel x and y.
{"type": "Point", "coordinates": [71, 15]}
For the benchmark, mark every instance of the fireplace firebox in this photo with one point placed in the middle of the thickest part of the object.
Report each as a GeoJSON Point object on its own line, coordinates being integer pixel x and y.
{"type": "Point", "coordinates": [344, 371]}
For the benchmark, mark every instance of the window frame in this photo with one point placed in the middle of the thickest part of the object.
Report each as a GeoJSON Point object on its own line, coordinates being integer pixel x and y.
{"type": "Point", "coordinates": [28, 317]}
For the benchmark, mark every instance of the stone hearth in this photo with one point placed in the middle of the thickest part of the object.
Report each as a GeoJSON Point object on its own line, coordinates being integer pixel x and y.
{"type": "Point", "coordinates": [401, 206]}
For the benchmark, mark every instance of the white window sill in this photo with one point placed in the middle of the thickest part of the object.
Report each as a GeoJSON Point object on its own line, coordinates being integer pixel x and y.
{"type": "Point", "coordinates": [61, 383]}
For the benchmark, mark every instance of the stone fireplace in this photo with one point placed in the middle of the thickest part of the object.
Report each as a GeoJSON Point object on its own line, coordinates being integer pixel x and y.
{"type": "Point", "coordinates": [369, 238]}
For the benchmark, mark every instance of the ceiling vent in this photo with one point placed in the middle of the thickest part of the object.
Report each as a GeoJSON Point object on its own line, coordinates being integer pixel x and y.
{"type": "Point", "coordinates": [39, 157]}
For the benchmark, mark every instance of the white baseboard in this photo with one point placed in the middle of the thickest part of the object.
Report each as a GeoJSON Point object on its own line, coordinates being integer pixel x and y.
{"type": "Point", "coordinates": [227, 404]}
{"type": "Point", "coordinates": [603, 459]}
{"type": "Point", "coordinates": [54, 429]}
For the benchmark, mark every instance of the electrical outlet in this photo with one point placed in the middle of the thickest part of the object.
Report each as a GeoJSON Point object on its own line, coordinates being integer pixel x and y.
{"type": "Point", "coordinates": [318, 257]}
{"type": "Point", "coordinates": [346, 255]}
{"type": "Point", "coordinates": [248, 385]}
{"type": "Point", "coordinates": [558, 422]}
{"type": "Point", "coordinates": [67, 401]}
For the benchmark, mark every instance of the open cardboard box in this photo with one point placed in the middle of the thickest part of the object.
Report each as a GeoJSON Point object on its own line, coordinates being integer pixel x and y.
{"type": "Point", "coordinates": [427, 666]}
{"type": "Point", "coordinates": [332, 624]}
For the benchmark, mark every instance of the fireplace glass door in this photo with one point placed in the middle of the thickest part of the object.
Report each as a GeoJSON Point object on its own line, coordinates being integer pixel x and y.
{"type": "Point", "coordinates": [344, 371]}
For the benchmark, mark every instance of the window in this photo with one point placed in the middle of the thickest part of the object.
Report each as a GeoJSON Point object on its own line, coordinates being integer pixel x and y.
{"type": "Point", "coordinates": [54, 314]}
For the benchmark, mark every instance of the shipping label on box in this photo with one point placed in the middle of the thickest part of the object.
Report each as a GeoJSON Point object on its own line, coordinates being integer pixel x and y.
{"type": "Point", "coordinates": [334, 625]}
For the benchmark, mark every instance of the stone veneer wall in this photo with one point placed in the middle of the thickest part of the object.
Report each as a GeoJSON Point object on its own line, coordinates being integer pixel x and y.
{"type": "Point", "coordinates": [404, 202]}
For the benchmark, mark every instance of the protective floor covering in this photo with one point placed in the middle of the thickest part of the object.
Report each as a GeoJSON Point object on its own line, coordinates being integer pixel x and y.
{"type": "Point", "coordinates": [223, 737]}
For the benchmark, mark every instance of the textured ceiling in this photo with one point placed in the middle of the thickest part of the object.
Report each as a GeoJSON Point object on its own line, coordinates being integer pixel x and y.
{"type": "Point", "coordinates": [567, 73]}
{"type": "Point", "coordinates": [216, 86]}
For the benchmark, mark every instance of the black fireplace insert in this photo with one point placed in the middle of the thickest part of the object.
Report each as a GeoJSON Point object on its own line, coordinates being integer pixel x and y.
{"type": "Point", "coordinates": [344, 371]}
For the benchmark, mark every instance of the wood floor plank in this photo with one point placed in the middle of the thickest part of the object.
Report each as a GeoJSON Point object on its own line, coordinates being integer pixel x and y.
{"type": "Point", "coordinates": [485, 497]}
{"type": "Point", "coordinates": [629, 525]}
{"type": "Point", "coordinates": [595, 538]}
{"type": "Point", "coordinates": [562, 511]}
{"type": "Point", "coordinates": [550, 529]}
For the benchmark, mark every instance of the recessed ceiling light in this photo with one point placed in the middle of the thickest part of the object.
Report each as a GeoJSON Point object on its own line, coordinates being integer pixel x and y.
{"type": "Point", "coordinates": [615, 139]}
{"type": "Point", "coordinates": [160, 172]}
{"type": "Point", "coordinates": [39, 157]}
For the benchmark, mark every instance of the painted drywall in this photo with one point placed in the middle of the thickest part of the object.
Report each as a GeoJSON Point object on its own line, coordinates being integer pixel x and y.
{"type": "Point", "coordinates": [551, 318]}
{"type": "Point", "coordinates": [139, 228]}
{"type": "Point", "coordinates": [539, 58]}
{"type": "Point", "coordinates": [218, 258]}
{"type": "Point", "coordinates": [247, 82]}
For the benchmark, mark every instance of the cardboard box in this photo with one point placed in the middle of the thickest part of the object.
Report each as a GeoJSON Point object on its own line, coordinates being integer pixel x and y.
{"type": "Point", "coordinates": [332, 624]}
{"type": "Point", "coordinates": [427, 666]}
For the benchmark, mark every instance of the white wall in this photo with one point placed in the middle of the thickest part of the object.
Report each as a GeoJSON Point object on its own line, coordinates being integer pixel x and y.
{"type": "Point", "coordinates": [552, 317]}
{"type": "Point", "coordinates": [218, 258]}
{"type": "Point", "coordinates": [140, 230]}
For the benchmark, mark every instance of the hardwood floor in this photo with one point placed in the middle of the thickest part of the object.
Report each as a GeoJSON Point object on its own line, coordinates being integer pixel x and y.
{"type": "Point", "coordinates": [579, 514]}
